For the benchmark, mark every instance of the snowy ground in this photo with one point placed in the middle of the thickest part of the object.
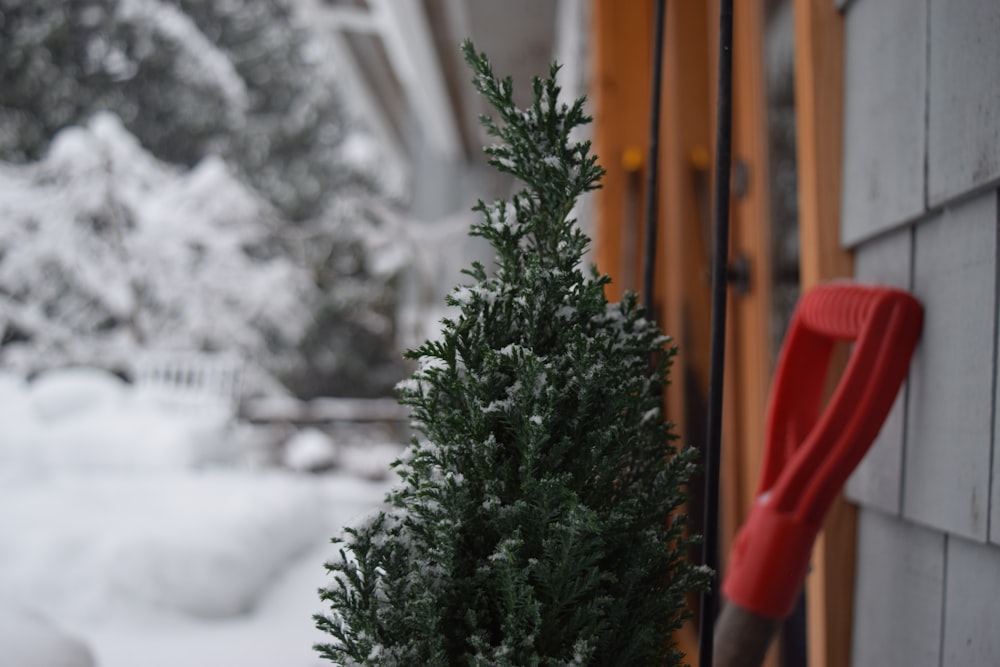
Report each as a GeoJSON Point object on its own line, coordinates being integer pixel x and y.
{"type": "Point", "coordinates": [119, 533]}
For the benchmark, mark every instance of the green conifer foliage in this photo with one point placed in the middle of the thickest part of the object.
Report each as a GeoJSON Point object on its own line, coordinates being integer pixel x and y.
{"type": "Point", "coordinates": [536, 522]}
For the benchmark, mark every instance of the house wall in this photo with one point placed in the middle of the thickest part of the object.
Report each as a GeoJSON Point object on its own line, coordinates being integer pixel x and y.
{"type": "Point", "coordinates": [921, 209]}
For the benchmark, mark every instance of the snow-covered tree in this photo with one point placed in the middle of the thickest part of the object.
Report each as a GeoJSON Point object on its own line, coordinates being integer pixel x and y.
{"type": "Point", "coordinates": [355, 256]}
{"type": "Point", "coordinates": [107, 251]}
{"type": "Point", "coordinates": [537, 518]}
{"type": "Point", "coordinates": [240, 79]}
{"type": "Point", "coordinates": [242, 96]}
{"type": "Point", "coordinates": [144, 60]}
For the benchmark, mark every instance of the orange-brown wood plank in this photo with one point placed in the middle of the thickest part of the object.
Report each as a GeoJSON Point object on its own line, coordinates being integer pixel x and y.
{"type": "Point", "coordinates": [749, 362]}
{"type": "Point", "coordinates": [620, 92]}
{"type": "Point", "coordinates": [683, 296]}
{"type": "Point", "coordinates": [750, 332]}
{"type": "Point", "coordinates": [819, 46]}
{"type": "Point", "coordinates": [685, 207]}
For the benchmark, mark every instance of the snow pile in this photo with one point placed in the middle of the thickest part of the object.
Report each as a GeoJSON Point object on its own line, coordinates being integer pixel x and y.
{"type": "Point", "coordinates": [107, 544]}
{"type": "Point", "coordinates": [122, 547]}
{"type": "Point", "coordinates": [30, 640]}
{"type": "Point", "coordinates": [100, 486]}
{"type": "Point", "coordinates": [84, 418]}
{"type": "Point", "coordinates": [310, 449]}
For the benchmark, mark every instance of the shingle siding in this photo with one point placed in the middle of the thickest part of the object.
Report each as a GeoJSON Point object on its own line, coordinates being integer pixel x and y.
{"type": "Point", "coordinates": [964, 97]}
{"type": "Point", "coordinates": [878, 480]}
{"type": "Point", "coordinates": [972, 605]}
{"type": "Point", "coordinates": [995, 489]}
{"type": "Point", "coordinates": [950, 415]}
{"type": "Point", "coordinates": [885, 80]}
{"type": "Point", "coordinates": [899, 593]}
{"type": "Point", "coordinates": [921, 209]}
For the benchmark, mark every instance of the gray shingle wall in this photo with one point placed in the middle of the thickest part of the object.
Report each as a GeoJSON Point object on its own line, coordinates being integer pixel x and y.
{"type": "Point", "coordinates": [972, 605]}
{"type": "Point", "coordinates": [923, 597]}
{"type": "Point", "coordinates": [885, 50]}
{"type": "Point", "coordinates": [950, 412]}
{"type": "Point", "coordinates": [904, 569]}
{"type": "Point", "coordinates": [878, 480]}
{"type": "Point", "coordinates": [941, 427]}
{"type": "Point", "coordinates": [921, 209]}
{"type": "Point", "coordinates": [963, 116]}
{"type": "Point", "coordinates": [995, 481]}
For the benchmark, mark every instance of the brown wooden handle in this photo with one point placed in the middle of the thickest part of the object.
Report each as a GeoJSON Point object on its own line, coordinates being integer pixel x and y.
{"type": "Point", "coordinates": [742, 637]}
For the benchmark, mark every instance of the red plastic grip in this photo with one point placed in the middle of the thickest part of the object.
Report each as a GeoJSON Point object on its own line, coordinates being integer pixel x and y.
{"type": "Point", "coordinates": [837, 310]}
{"type": "Point", "coordinates": [809, 456]}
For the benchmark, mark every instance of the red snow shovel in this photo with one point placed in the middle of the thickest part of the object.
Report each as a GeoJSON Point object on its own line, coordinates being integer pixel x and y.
{"type": "Point", "coordinates": [809, 455]}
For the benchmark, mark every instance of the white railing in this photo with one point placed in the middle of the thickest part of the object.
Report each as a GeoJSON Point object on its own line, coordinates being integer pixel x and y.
{"type": "Point", "coordinates": [191, 379]}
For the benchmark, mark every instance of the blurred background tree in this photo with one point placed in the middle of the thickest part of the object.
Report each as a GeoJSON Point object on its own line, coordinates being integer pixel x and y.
{"type": "Point", "coordinates": [232, 80]}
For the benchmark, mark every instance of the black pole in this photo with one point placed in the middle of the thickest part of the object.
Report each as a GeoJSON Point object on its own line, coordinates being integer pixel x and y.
{"type": "Point", "coordinates": [649, 259]}
{"type": "Point", "coordinates": [720, 257]}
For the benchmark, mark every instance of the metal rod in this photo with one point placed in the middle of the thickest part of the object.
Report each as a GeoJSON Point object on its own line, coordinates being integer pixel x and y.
{"type": "Point", "coordinates": [649, 259]}
{"type": "Point", "coordinates": [720, 255]}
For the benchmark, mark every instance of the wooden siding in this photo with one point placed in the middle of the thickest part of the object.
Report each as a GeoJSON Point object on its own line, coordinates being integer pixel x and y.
{"type": "Point", "coordinates": [972, 605]}
{"type": "Point", "coordinates": [885, 65]}
{"type": "Point", "coordinates": [930, 488]}
{"type": "Point", "coordinates": [994, 531]}
{"type": "Point", "coordinates": [947, 473]}
{"type": "Point", "coordinates": [683, 254]}
{"type": "Point", "coordinates": [621, 96]}
{"type": "Point", "coordinates": [749, 361]}
{"type": "Point", "coordinates": [928, 584]}
{"type": "Point", "coordinates": [819, 89]}
{"type": "Point", "coordinates": [878, 480]}
{"type": "Point", "coordinates": [899, 595]}
{"type": "Point", "coordinates": [963, 115]}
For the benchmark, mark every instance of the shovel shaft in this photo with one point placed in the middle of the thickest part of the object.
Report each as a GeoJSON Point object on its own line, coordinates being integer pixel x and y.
{"type": "Point", "coordinates": [742, 637]}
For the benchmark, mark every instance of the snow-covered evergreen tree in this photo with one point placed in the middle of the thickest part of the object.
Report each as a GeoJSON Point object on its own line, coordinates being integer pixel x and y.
{"type": "Point", "coordinates": [144, 60]}
{"type": "Point", "coordinates": [233, 90]}
{"type": "Point", "coordinates": [108, 251]}
{"type": "Point", "coordinates": [242, 80]}
{"type": "Point", "coordinates": [536, 521]}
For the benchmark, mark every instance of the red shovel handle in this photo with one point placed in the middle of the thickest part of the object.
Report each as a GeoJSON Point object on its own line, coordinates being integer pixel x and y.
{"type": "Point", "coordinates": [840, 311]}
{"type": "Point", "coordinates": [809, 456]}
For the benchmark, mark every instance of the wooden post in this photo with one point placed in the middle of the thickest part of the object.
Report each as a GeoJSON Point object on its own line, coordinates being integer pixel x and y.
{"type": "Point", "coordinates": [819, 57]}
{"type": "Point", "coordinates": [683, 255]}
{"type": "Point", "coordinates": [622, 38]}
{"type": "Point", "coordinates": [751, 305]}
{"type": "Point", "coordinates": [685, 205]}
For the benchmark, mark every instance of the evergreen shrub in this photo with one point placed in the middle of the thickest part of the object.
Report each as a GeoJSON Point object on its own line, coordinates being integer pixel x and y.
{"type": "Point", "coordinates": [537, 521]}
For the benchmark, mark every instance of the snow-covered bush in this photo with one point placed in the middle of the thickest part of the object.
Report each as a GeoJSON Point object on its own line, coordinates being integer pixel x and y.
{"type": "Point", "coordinates": [189, 78]}
{"type": "Point", "coordinates": [537, 519]}
{"type": "Point", "coordinates": [225, 209]}
{"type": "Point", "coordinates": [355, 257]}
{"type": "Point", "coordinates": [108, 251]}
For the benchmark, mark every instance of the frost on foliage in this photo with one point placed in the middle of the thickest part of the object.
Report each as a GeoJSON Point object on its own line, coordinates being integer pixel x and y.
{"type": "Point", "coordinates": [536, 520]}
